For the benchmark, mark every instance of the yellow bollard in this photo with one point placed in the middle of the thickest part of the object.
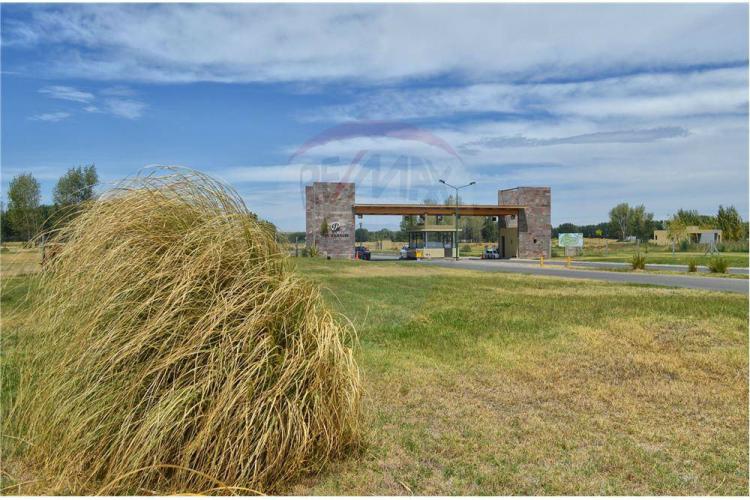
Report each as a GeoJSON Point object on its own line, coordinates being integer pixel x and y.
{"type": "Point", "coordinates": [567, 264]}
{"type": "Point", "coordinates": [541, 261]}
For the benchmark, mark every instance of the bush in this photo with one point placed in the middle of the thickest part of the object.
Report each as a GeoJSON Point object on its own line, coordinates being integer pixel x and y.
{"type": "Point", "coordinates": [692, 265]}
{"type": "Point", "coordinates": [176, 350]}
{"type": "Point", "coordinates": [718, 265]}
{"type": "Point", "coordinates": [638, 261]}
{"type": "Point", "coordinates": [465, 248]}
{"type": "Point", "coordinates": [684, 246]}
{"type": "Point", "coordinates": [311, 251]}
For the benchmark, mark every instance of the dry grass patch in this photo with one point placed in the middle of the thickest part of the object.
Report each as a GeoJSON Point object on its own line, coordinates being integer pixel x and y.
{"type": "Point", "coordinates": [173, 349]}
{"type": "Point", "coordinates": [18, 261]}
{"type": "Point", "coordinates": [498, 384]}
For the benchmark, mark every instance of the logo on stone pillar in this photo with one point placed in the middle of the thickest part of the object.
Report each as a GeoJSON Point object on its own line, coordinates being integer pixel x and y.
{"type": "Point", "coordinates": [336, 230]}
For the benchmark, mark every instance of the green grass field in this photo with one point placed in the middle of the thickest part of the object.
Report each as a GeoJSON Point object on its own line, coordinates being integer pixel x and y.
{"type": "Point", "coordinates": [735, 259]}
{"type": "Point", "coordinates": [482, 384]}
{"type": "Point", "coordinates": [485, 383]}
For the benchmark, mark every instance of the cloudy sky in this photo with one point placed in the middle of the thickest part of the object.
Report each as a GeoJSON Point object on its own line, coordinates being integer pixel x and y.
{"type": "Point", "coordinates": [604, 103]}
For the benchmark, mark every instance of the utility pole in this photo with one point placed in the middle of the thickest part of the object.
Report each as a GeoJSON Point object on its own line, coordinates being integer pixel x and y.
{"type": "Point", "coordinates": [456, 200]}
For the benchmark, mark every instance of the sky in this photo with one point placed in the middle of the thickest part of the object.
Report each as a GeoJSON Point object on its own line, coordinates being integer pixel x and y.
{"type": "Point", "coordinates": [604, 103]}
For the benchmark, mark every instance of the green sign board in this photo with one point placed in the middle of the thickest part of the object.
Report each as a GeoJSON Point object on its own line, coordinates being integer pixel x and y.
{"type": "Point", "coordinates": [570, 240]}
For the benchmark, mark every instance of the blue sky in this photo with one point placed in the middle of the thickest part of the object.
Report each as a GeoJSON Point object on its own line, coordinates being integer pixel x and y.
{"type": "Point", "coordinates": [603, 102]}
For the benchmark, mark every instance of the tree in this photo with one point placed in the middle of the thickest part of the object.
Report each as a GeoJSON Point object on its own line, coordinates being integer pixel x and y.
{"type": "Point", "coordinates": [693, 218]}
{"type": "Point", "coordinates": [471, 228]}
{"type": "Point", "coordinates": [730, 223]}
{"type": "Point", "coordinates": [599, 233]}
{"type": "Point", "coordinates": [676, 230]}
{"type": "Point", "coordinates": [408, 222]}
{"type": "Point", "coordinates": [566, 227]}
{"type": "Point", "coordinates": [362, 235]}
{"type": "Point", "coordinates": [489, 230]}
{"type": "Point", "coordinates": [619, 218]}
{"type": "Point", "coordinates": [23, 205]}
{"type": "Point", "coordinates": [76, 186]}
{"type": "Point", "coordinates": [640, 223]}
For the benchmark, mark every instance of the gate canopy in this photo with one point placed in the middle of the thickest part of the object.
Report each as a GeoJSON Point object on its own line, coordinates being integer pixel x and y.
{"type": "Point", "coordinates": [465, 210]}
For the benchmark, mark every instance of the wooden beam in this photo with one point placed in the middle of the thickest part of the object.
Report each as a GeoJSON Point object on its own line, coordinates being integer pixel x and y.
{"type": "Point", "coordinates": [465, 210]}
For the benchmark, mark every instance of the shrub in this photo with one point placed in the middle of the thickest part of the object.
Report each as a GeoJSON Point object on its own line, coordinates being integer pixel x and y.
{"type": "Point", "coordinates": [311, 251]}
{"type": "Point", "coordinates": [638, 261]}
{"type": "Point", "coordinates": [684, 246]}
{"type": "Point", "coordinates": [718, 265]}
{"type": "Point", "coordinates": [466, 248]}
{"type": "Point", "coordinates": [176, 350]}
{"type": "Point", "coordinates": [692, 265]}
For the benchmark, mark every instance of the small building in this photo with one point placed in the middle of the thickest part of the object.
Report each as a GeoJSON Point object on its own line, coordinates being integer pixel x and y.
{"type": "Point", "coordinates": [693, 234]}
{"type": "Point", "coordinates": [433, 238]}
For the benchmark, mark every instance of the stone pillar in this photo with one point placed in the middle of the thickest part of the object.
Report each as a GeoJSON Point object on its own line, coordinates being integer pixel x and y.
{"type": "Point", "coordinates": [329, 218]}
{"type": "Point", "coordinates": [533, 223]}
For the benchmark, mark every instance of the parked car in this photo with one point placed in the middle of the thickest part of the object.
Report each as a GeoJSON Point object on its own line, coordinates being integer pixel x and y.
{"type": "Point", "coordinates": [404, 252]}
{"type": "Point", "coordinates": [362, 253]}
{"type": "Point", "coordinates": [408, 253]}
{"type": "Point", "coordinates": [490, 253]}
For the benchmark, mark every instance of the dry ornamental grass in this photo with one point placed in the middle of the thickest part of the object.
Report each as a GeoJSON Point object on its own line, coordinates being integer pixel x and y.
{"type": "Point", "coordinates": [174, 350]}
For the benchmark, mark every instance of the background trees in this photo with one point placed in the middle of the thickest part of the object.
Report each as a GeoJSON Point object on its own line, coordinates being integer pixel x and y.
{"type": "Point", "coordinates": [75, 186]}
{"type": "Point", "coordinates": [676, 230]}
{"type": "Point", "coordinates": [619, 218]}
{"type": "Point", "coordinates": [730, 223]}
{"type": "Point", "coordinates": [641, 223]}
{"type": "Point", "coordinates": [24, 197]}
{"type": "Point", "coordinates": [26, 216]}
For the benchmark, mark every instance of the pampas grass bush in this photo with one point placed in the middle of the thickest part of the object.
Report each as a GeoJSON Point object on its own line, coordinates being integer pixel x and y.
{"type": "Point", "coordinates": [177, 351]}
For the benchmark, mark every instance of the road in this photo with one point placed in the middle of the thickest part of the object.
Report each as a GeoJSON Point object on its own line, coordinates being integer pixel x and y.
{"type": "Point", "coordinates": [735, 285]}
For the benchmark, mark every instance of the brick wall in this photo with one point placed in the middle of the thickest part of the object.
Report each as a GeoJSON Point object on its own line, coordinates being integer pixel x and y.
{"type": "Point", "coordinates": [533, 223]}
{"type": "Point", "coordinates": [332, 204]}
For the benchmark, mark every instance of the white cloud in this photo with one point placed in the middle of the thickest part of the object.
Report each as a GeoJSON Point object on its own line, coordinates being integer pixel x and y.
{"type": "Point", "coordinates": [50, 117]}
{"type": "Point", "coordinates": [378, 43]}
{"type": "Point", "coordinates": [119, 101]}
{"type": "Point", "coordinates": [125, 108]}
{"type": "Point", "coordinates": [647, 95]}
{"type": "Point", "coordinates": [67, 93]}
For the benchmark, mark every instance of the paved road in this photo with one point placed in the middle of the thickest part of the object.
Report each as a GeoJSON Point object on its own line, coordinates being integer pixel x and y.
{"type": "Point", "coordinates": [736, 285]}
{"type": "Point", "coordinates": [624, 265]}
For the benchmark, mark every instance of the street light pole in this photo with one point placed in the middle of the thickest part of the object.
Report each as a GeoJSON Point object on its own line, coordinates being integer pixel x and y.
{"type": "Point", "coordinates": [456, 216]}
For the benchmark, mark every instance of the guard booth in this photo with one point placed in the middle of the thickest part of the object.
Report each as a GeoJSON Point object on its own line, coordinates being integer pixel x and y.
{"type": "Point", "coordinates": [435, 240]}
{"type": "Point", "coordinates": [523, 215]}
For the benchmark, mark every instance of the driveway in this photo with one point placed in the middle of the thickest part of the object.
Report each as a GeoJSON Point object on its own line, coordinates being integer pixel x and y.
{"type": "Point", "coordinates": [735, 285]}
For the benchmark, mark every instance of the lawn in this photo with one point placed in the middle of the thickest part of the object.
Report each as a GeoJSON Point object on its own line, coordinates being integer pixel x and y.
{"type": "Point", "coordinates": [501, 384]}
{"type": "Point", "coordinates": [603, 250]}
{"type": "Point", "coordinates": [489, 383]}
{"type": "Point", "coordinates": [16, 260]}
{"type": "Point", "coordinates": [735, 259]}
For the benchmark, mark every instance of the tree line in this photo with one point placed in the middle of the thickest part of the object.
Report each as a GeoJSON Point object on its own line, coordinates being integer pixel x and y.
{"type": "Point", "coordinates": [25, 216]}
{"type": "Point", "coordinates": [627, 221]}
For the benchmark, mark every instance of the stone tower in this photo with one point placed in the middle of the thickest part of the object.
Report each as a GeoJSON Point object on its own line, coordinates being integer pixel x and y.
{"type": "Point", "coordinates": [329, 218]}
{"type": "Point", "coordinates": [533, 223]}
